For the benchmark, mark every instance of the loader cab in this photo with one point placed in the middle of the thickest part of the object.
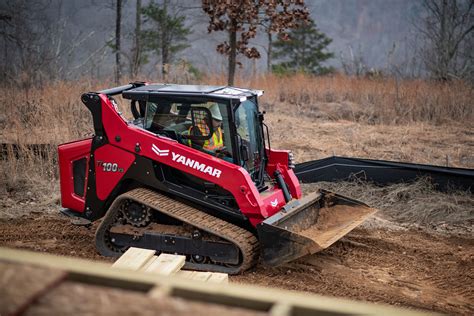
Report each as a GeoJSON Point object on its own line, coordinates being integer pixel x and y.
{"type": "Point", "coordinates": [187, 114]}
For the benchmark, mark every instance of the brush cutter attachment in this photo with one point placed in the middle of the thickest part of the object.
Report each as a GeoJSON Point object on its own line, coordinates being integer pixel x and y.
{"type": "Point", "coordinates": [309, 225]}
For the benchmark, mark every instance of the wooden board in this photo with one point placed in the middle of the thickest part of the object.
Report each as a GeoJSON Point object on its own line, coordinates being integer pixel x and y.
{"type": "Point", "coordinates": [218, 278]}
{"type": "Point", "coordinates": [22, 285]}
{"type": "Point", "coordinates": [165, 264]}
{"type": "Point", "coordinates": [134, 258]}
{"type": "Point", "coordinates": [211, 277]}
{"type": "Point", "coordinates": [144, 260]}
{"type": "Point", "coordinates": [195, 275]}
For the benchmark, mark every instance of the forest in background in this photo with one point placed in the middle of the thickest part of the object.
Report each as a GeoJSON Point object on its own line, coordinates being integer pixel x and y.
{"type": "Point", "coordinates": [45, 40]}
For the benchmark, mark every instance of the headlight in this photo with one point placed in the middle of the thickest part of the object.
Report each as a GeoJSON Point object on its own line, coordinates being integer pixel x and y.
{"type": "Point", "coordinates": [291, 160]}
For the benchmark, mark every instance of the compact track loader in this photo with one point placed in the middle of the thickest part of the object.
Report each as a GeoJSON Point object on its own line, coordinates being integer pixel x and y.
{"type": "Point", "coordinates": [155, 185]}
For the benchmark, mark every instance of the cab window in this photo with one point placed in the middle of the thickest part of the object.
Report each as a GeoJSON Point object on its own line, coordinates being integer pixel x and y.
{"type": "Point", "coordinates": [190, 123]}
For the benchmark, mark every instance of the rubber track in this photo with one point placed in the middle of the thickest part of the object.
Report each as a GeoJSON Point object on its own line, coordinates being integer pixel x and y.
{"type": "Point", "coordinates": [243, 239]}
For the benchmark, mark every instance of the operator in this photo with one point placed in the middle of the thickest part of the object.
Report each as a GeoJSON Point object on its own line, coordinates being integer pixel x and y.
{"type": "Point", "coordinates": [215, 143]}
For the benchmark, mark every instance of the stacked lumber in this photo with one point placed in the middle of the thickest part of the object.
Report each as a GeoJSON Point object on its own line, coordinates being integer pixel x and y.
{"type": "Point", "coordinates": [144, 260]}
{"type": "Point", "coordinates": [42, 284]}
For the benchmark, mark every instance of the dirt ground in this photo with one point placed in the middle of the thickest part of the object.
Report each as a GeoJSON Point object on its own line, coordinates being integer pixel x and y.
{"type": "Point", "coordinates": [421, 262]}
{"type": "Point", "coordinates": [394, 265]}
{"type": "Point", "coordinates": [406, 268]}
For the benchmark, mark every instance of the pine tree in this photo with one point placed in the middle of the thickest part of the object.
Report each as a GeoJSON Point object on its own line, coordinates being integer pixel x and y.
{"type": "Point", "coordinates": [167, 34]}
{"type": "Point", "coordinates": [303, 51]}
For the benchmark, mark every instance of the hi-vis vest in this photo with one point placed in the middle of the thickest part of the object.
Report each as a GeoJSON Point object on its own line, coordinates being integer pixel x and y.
{"type": "Point", "coordinates": [213, 143]}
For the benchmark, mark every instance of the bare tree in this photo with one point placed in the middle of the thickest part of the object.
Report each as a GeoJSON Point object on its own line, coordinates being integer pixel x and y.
{"type": "Point", "coordinates": [165, 58]}
{"type": "Point", "coordinates": [269, 50]}
{"type": "Point", "coordinates": [354, 64]}
{"type": "Point", "coordinates": [241, 19]}
{"type": "Point", "coordinates": [136, 51]}
{"type": "Point", "coordinates": [447, 27]}
{"type": "Point", "coordinates": [36, 45]}
{"type": "Point", "coordinates": [118, 21]}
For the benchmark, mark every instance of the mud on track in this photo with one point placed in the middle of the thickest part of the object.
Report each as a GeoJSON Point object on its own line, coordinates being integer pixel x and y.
{"type": "Point", "coordinates": [396, 266]}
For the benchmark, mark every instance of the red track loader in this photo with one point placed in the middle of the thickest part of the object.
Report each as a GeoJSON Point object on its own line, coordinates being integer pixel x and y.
{"type": "Point", "coordinates": [156, 185]}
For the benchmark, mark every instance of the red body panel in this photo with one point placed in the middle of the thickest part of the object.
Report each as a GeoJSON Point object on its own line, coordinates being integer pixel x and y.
{"type": "Point", "coordinates": [110, 165]}
{"type": "Point", "coordinates": [278, 160]}
{"type": "Point", "coordinates": [68, 153]}
{"type": "Point", "coordinates": [273, 199]}
{"type": "Point", "coordinates": [125, 138]}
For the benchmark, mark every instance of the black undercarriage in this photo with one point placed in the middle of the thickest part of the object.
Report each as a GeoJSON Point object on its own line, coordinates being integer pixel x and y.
{"type": "Point", "coordinates": [130, 223]}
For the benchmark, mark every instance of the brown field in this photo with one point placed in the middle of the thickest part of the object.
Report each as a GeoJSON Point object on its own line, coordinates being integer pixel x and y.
{"type": "Point", "coordinates": [416, 252]}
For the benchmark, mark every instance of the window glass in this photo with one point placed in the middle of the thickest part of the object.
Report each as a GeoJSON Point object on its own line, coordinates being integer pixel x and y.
{"type": "Point", "coordinates": [248, 129]}
{"type": "Point", "coordinates": [179, 120]}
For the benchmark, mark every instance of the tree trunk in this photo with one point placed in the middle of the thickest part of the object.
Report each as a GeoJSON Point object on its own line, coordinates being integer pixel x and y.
{"type": "Point", "coordinates": [118, 70]}
{"type": "Point", "coordinates": [444, 41]}
{"type": "Point", "coordinates": [136, 49]}
{"type": "Point", "coordinates": [165, 43]}
{"type": "Point", "coordinates": [269, 52]}
{"type": "Point", "coordinates": [232, 53]}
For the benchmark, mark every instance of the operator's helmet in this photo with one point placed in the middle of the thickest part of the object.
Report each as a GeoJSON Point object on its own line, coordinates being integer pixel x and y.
{"type": "Point", "coordinates": [215, 112]}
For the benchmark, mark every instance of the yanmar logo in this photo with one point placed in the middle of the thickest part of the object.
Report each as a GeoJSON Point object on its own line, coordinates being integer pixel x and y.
{"type": "Point", "coordinates": [160, 152]}
{"type": "Point", "coordinates": [188, 162]}
{"type": "Point", "coordinates": [274, 203]}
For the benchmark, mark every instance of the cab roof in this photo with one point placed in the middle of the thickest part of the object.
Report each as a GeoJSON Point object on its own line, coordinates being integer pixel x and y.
{"type": "Point", "coordinates": [143, 93]}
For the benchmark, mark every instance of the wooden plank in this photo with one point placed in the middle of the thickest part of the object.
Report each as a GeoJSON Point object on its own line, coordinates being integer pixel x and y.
{"type": "Point", "coordinates": [201, 276]}
{"type": "Point", "coordinates": [166, 264]}
{"type": "Point", "coordinates": [134, 258]}
{"type": "Point", "coordinates": [281, 309]}
{"type": "Point", "coordinates": [148, 263]}
{"type": "Point", "coordinates": [211, 277]}
{"type": "Point", "coordinates": [159, 291]}
{"type": "Point", "coordinates": [85, 271]}
{"type": "Point", "coordinates": [218, 278]}
{"type": "Point", "coordinates": [22, 285]}
{"type": "Point", "coordinates": [185, 274]}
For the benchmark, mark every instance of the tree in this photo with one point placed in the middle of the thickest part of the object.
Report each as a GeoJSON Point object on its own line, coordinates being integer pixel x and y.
{"type": "Point", "coordinates": [35, 42]}
{"type": "Point", "coordinates": [118, 21]}
{"type": "Point", "coordinates": [136, 50]}
{"type": "Point", "coordinates": [304, 50]}
{"type": "Point", "coordinates": [269, 50]}
{"type": "Point", "coordinates": [167, 34]}
{"type": "Point", "coordinates": [447, 28]}
{"type": "Point", "coordinates": [240, 19]}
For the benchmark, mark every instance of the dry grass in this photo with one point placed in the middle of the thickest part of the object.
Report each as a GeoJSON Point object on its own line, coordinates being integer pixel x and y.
{"type": "Point", "coordinates": [449, 144]}
{"type": "Point", "coordinates": [334, 115]}
{"type": "Point", "coordinates": [367, 100]}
